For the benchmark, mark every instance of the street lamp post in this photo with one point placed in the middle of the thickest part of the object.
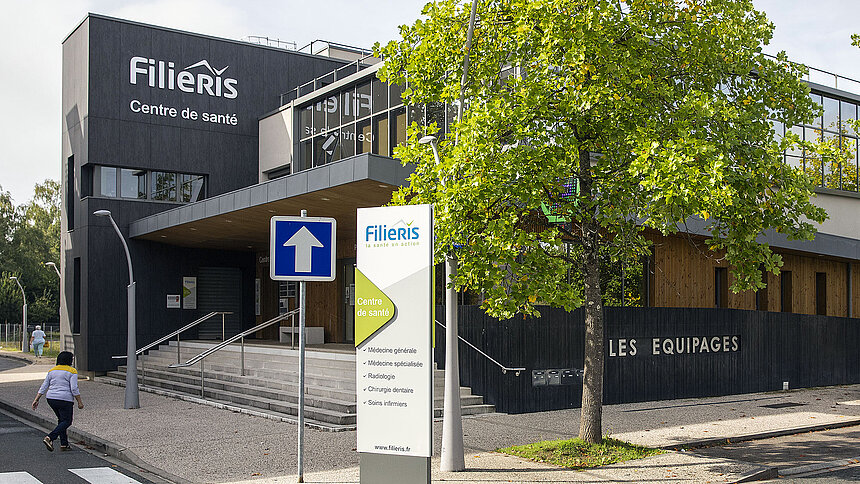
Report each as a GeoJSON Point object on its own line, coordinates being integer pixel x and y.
{"type": "Point", "coordinates": [24, 325]}
{"type": "Point", "coordinates": [132, 400]}
{"type": "Point", "coordinates": [452, 458]}
{"type": "Point", "coordinates": [51, 264]}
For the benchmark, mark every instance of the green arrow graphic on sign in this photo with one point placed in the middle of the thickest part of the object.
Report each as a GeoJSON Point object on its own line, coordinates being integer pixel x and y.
{"type": "Point", "coordinates": [372, 308]}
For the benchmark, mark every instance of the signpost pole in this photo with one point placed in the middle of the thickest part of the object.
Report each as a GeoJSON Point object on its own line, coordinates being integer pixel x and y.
{"type": "Point", "coordinates": [301, 373]}
{"type": "Point", "coordinates": [302, 249]}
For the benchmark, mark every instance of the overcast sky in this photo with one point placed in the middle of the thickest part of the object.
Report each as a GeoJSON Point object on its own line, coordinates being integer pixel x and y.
{"type": "Point", "coordinates": [815, 33]}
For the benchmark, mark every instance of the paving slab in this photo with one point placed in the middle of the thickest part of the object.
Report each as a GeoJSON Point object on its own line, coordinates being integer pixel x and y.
{"type": "Point", "coordinates": [493, 468]}
{"type": "Point", "coordinates": [202, 444]}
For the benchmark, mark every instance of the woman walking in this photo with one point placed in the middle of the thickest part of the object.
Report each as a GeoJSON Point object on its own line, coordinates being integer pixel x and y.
{"type": "Point", "coordinates": [61, 390]}
{"type": "Point", "coordinates": [37, 341]}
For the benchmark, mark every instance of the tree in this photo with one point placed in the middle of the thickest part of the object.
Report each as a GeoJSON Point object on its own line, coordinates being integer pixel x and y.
{"type": "Point", "coordinates": [620, 116]}
{"type": "Point", "coordinates": [31, 237]}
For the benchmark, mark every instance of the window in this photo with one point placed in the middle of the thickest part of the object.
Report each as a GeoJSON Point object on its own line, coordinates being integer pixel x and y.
{"type": "Point", "coordinates": [105, 181]}
{"type": "Point", "coordinates": [162, 186]}
{"type": "Point", "coordinates": [721, 285]}
{"type": "Point", "coordinates": [362, 100]}
{"type": "Point", "coordinates": [380, 96]}
{"type": "Point", "coordinates": [380, 135]}
{"type": "Point", "coordinates": [398, 127]}
{"type": "Point", "coordinates": [821, 293]}
{"type": "Point", "coordinates": [785, 291]}
{"type": "Point", "coordinates": [76, 296]}
{"type": "Point", "coordinates": [190, 188]}
{"type": "Point", "coordinates": [831, 114]}
{"type": "Point", "coordinates": [132, 183]}
{"type": "Point", "coordinates": [112, 182]}
{"type": "Point", "coordinates": [761, 302]}
{"type": "Point", "coordinates": [70, 193]}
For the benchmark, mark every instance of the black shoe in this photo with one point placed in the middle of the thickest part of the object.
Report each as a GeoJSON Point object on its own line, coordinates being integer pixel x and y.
{"type": "Point", "coordinates": [48, 443]}
{"type": "Point", "coordinates": [65, 447]}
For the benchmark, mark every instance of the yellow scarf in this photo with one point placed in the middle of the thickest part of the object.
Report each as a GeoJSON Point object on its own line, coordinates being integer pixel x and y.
{"type": "Point", "coordinates": [65, 368]}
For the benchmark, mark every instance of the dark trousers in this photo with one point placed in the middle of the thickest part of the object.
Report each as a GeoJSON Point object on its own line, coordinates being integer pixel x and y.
{"type": "Point", "coordinates": [64, 410]}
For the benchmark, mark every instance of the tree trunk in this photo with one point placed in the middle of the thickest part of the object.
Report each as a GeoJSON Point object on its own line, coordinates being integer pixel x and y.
{"type": "Point", "coordinates": [591, 416]}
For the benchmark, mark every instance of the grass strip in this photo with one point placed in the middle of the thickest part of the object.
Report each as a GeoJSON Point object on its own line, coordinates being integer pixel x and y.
{"type": "Point", "coordinates": [578, 454]}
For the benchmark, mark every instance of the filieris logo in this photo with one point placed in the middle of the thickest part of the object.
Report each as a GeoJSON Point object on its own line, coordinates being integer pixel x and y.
{"type": "Point", "coordinates": [401, 230]}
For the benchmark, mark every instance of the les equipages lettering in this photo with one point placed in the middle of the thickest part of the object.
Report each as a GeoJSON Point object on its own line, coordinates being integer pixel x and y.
{"type": "Point", "coordinates": [623, 347]}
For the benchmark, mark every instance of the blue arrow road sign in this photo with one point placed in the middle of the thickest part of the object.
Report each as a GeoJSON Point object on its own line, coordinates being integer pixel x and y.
{"type": "Point", "coordinates": [302, 248]}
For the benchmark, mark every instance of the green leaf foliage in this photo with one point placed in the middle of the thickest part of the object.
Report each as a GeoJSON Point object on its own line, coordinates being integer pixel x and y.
{"type": "Point", "coordinates": [31, 237]}
{"type": "Point", "coordinates": [671, 99]}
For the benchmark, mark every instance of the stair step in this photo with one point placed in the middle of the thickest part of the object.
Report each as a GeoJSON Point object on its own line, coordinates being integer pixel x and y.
{"type": "Point", "coordinates": [270, 384]}
{"type": "Point", "coordinates": [313, 411]}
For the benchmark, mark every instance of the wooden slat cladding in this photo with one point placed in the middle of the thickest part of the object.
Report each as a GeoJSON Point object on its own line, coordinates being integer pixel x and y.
{"type": "Point", "coordinates": [684, 277]}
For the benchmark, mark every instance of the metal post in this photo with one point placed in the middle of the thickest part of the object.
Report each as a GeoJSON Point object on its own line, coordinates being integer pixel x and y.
{"type": "Point", "coordinates": [24, 331]}
{"type": "Point", "coordinates": [242, 355]}
{"type": "Point", "coordinates": [132, 399]}
{"type": "Point", "coordinates": [131, 393]}
{"type": "Point", "coordinates": [452, 458]}
{"type": "Point", "coordinates": [201, 377]}
{"type": "Point", "coordinates": [292, 332]}
{"type": "Point", "coordinates": [302, 295]}
{"type": "Point", "coordinates": [223, 332]}
{"type": "Point", "coordinates": [178, 354]}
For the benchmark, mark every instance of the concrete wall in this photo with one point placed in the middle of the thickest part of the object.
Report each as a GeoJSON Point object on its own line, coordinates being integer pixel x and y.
{"type": "Point", "coordinates": [276, 142]}
{"type": "Point", "coordinates": [843, 210]}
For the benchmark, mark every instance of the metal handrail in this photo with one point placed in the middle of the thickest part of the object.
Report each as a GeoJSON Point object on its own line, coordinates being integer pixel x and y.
{"type": "Point", "coordinates": [504, 368]}
{"type": "Point", "coordinates": [241, 336]}
{"type": "Point", "coordinates": [180, 330]}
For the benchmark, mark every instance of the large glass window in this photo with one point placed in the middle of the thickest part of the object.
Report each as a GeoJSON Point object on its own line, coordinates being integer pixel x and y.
{"type": "Point", "coordinates": [306, 122]}
{"type": "Point", "coordinates": [362, 100]}
{"type": "Point", "coordinates": [190, 188]}
{"type": "Point", "coordinates": [831, 114]}
{"type": "Point", "coordinates": [363, 137]}
{"type": "Point", "coordinates": [108, 181]}
{"type": "Point", "coordinates": [397, 122]}
{"type": "Point", "coordinates": [163, 186]}
{"type": "Point", "coordinates": [105, 180]}
{"type": "Point", "coordinates": [347, 140]}
{"type": "Point", "coordinates": [132, 183]}
{"type": "Point", "coordinates": [347, 103]}
{"type": "Point", "coordinates": [380, 96]}
{"type": "Point", "coordinates": [369, 117]}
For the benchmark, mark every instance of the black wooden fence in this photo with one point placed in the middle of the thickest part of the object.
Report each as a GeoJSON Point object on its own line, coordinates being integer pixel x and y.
{"type": "Point", "coordinates": [653, 354]}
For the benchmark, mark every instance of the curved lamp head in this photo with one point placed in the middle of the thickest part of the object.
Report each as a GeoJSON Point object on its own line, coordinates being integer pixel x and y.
{"type": "Point", "coordinates": [50, 264]}
{"type": "Point", "coordinates": [102, 213]}
{"type": "Point", "coordinates": [427, 139]}
{"type": "Point", "coordinates": [13, 278]}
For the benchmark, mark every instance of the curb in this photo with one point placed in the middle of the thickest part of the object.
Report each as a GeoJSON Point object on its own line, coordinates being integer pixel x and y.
{"type": "Point", "coordinates": [764, 474]}
{"type": "Point", "coordinates": [104, 446]}
{"type": "Point", "coordinates": [792, 471]}
{"type": "Point", "coordinates": [15, 356]}
{"type": "Point", "coordinates": [696, 444]}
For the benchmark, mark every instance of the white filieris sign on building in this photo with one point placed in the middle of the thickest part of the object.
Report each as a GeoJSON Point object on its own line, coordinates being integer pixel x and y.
{"type": "Point", "coordinates": [394, 330]}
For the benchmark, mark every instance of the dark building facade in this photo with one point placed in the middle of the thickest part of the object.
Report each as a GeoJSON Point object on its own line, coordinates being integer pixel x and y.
{"type": "Point", "coordinates": [154, 119]}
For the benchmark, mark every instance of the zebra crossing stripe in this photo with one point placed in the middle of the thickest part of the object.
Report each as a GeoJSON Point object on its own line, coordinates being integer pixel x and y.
{"type": "Point", "coordinates": [18, 478]}
{"type": "Point", "coordinates": [103, 475]}
{"type": "Point", "coordinates": [93, 475]}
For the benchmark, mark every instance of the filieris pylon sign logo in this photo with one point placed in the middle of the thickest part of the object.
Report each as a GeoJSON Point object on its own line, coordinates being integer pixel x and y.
{"type": "Point", "coordinates": [373, 309]}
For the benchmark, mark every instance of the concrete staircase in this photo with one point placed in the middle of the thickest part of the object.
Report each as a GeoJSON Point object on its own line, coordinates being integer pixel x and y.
{"type": "Point", "coordinates": [270, 384]}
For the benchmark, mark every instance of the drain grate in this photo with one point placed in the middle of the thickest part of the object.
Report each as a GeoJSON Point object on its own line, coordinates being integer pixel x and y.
{"type": "Point", "coordinates": [783, 405]}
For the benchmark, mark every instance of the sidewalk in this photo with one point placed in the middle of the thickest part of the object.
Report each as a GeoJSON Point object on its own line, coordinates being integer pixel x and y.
{"type": "Point", "coordinates": [188, 442]}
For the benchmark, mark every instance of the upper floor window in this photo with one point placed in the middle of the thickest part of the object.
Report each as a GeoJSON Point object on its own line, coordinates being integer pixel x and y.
{"type": "Point", "coordinates": [833, 124]}
{"type": "Point", "coordinates": [113, 182]}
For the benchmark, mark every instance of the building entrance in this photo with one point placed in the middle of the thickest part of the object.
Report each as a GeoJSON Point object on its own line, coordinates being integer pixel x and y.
{"type": "Point", "coordinates": [348, 268]}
